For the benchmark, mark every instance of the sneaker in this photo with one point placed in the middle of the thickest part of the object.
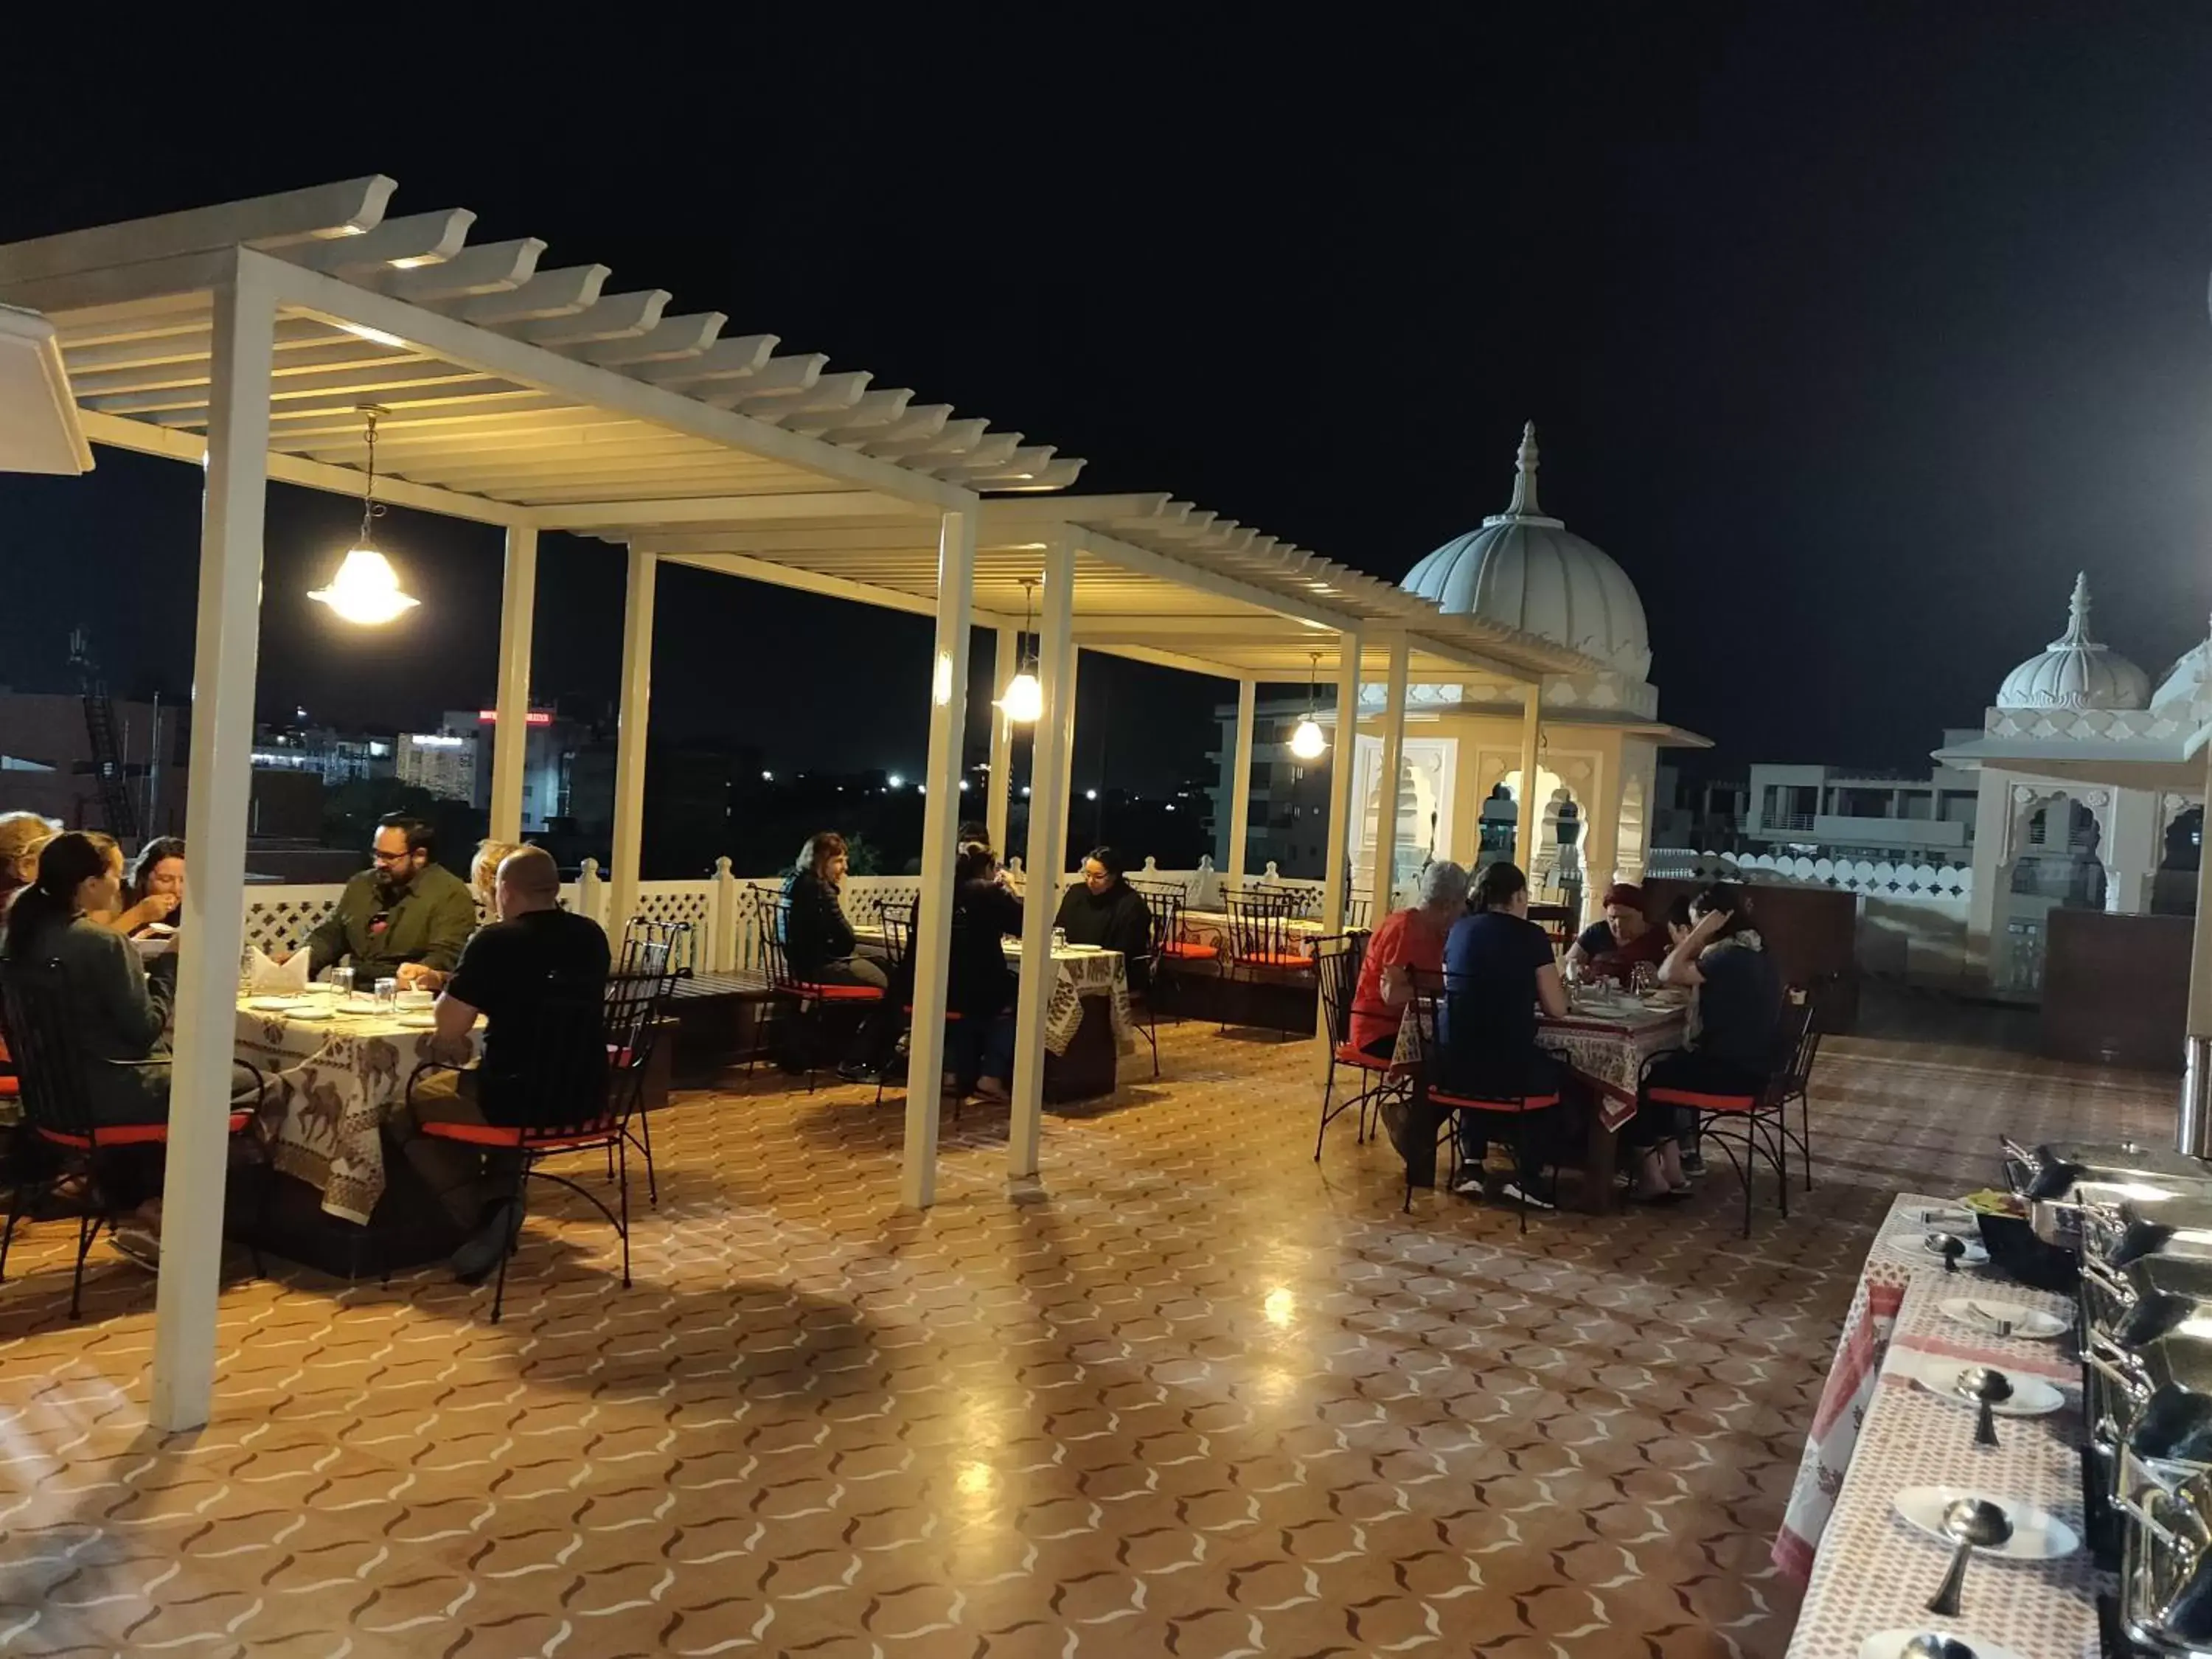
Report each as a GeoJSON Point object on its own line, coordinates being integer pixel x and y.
{"type": "Point", "coordinates": [1512, 1193]}
{"type": "Point", "coordinates": [1693, 1160]}
{"type": "Point", "coordinates": [483, 1250]}
{"type": "Point", "coordinates": [853, 1071]}
{"type": "Point", "coordinates": [990, 1088]}
{"type": "Point", "coordinates": [138, 1245]}
{"type": "Point", "coordinates": [1470, 1185]}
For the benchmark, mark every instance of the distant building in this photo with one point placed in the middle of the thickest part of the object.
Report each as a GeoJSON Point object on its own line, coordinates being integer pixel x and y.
{"type": "Point", "coordinates": [1838, 812]}
{"type": "Point", "coordinates": [46, 762]}
{"type": "Point", "coordinates": [335, 756]}
{"type": "Point", "coordinates": [443, 762]}
{"type": "Point", "coordinates": [1289, 798]}
{"type": "Point", "coordinates": [548, 763]}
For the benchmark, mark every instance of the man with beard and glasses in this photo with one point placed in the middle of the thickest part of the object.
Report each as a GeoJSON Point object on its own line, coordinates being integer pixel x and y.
{"type": "Point", "coordinates": [405, 918]}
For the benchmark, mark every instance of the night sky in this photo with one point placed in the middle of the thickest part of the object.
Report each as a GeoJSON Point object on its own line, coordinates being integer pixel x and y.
{"type": "Point", "coordinates": [1851, 332]}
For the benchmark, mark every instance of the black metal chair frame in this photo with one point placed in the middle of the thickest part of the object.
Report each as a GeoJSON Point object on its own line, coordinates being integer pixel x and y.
{"type": "Point", "coordinates": [1426, 1098]}
{"type": "Point", "coordinates": [34, 1023]}
{"type": "Point", "coordinates": [895, 916]}
{"type": "Point", "coordinates": [632, 1021]}
{"type": "Point", "coordinates": [1759, 1127]}
{"type": "Point", "coordinates": [1260, 942]}
{"type": "Point", "coordinates": [809, 1002]}
{"type": "Point", "coordinates": [1167, 901]}
{"type": "Point", "coordinates": [1339, 959]}
{"type": "Point", "coordinates": [563, 1024]}
{"type": "Point", "coordinates": [676, 941]}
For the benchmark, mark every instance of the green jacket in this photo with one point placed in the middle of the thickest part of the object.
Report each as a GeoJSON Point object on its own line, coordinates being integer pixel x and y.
{"type": "Point", "coordinates": [428, 923]}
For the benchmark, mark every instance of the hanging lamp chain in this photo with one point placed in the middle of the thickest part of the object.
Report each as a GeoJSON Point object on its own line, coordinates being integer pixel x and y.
{"type": "Point", "coordinates": [371, 508]}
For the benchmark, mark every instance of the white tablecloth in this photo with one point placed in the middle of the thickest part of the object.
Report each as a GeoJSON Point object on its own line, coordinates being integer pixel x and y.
{"type": "Point", "coordinates": [1885, 1433]}
{"type": "Point", "coordinates": [334, 1081]}
{"type": "Point", "coordinates": [1081, 973]}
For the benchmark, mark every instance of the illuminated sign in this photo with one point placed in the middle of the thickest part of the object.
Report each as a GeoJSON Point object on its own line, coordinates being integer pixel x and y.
{"type": "Point", "coordinates": [434, 741]}
{"type": "Point", "coordinates": [535, 717]}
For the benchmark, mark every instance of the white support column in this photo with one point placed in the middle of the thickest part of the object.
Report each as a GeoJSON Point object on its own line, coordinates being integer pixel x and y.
{"type": "Point", "coordinates": [1050, 760]}
{"type": "Point", "coordinates": [1525, 809]}
{"type": "Point", "coordinates": [999, 807]}
{"type": "Point", "coordinates": [510, 737]}
{"type": "Point", "coordinates": [1600, 834]}
{"type": "Point", "coordinates": [1240, 785]}
{"type": "Point", "coordinates": [1336, 879]}
{"type": "Point", "coordinates": [226, 649]}
{"type": "Point", "coordinates": [1391, 777]}
{"type": "Point", "coordinates": [941, 828]}
{"type": "Point", "coordinates": [631, 729]}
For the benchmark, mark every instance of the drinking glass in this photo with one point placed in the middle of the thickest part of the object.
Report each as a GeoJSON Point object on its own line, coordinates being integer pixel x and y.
{"type": "Point", "coordinates": [387, 996]}
{"type": "Point", "coordinates": [1060, 938]}
{"type": "Point", "coordinates": [341, 980]}
{"type": "Point", "coordinates": [246, 970]}
{"type": "Point", "coordinates": [1645, 979]}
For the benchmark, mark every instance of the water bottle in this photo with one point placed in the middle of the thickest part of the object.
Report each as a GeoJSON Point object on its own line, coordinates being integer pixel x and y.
{"type": "Point", "coordinates": [246, 969]}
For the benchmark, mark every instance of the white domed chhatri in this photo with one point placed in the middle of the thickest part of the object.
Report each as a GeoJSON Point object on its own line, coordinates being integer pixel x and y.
{"type": "Point", "coordinates": [1527, 571]}
{"type": "Point", "coordinates": [2076, 671]}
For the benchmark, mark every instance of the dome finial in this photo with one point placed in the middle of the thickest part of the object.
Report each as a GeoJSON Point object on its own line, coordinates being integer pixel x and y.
{"type": "Point", "coordinates": [1523, 504]}
{"type": "Point", "coordinates": [2077, 616]}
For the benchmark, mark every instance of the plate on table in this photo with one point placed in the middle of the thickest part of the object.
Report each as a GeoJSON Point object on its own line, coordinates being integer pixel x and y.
{"type": "Point", "coordinates": [2031, 1323]}
{"type": "Point", "coordinates": [418, 1020]}
{"type": "Point", "coordinates": [1914, 1247]}
{"type": "Point", "coordinates": [2036, 1534]}
{"type": "Point", "coordinates": [308, 1011]}
{"type": "Point", "coordinates": [1888, 1643]}
{"type": "Point", "coordinates": [276, 1005]}
{"type": "Point", "coordinates": [2032, 1396]}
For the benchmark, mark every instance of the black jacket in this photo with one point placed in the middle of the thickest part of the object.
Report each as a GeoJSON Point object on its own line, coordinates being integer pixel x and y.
{"type": "Point", "coordinates": [981, 983]}
{"type": "Point", "coordinates": [1116, 919]}
{"type": "Point", "coordinates": [816, 933]}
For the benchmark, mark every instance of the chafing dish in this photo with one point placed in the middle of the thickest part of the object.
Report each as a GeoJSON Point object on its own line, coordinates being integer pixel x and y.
{"type": "Point", "coordinates": [2147, 1299]}
{"type": "Point", "coordinates": [2062, 1184]}
{"type": "Point", "coordinates": [2165, 1567]}
{"type": "Point", "coordinates": [2179, 1227]}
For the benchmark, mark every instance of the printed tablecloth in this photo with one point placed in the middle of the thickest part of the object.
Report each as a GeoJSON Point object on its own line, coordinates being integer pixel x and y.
{"type": "Point", "coordinates": [1878, 1432]}
{"type": "Point", "coordinates": [1212, 928]}
{"type": "Point", "coordinates": [1082, 973]}
{"type": "Point", "coordinates": [332, 1084]}
{"type": "Point", "coordinates": [1606, 1051]}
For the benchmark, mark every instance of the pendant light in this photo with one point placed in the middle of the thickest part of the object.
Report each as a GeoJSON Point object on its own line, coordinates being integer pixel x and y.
{"type": "Point", "coordinates": [365, 589]}
{"type": "Point", "coordinates": [1024, 701]}
{"type": "Point", "coordinates": [1308, 742]}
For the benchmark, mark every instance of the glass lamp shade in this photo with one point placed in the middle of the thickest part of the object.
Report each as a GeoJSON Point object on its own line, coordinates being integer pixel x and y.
{"type": "Point", "coordinates": [365, 589]}
{"type": "Point", "coordinates": [1308, 742]}
{"type": "Point", "coordinates": [1024, 702]}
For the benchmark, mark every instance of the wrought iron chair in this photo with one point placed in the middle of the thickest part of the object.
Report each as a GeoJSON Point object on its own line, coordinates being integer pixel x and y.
{"type": "Point", "coordinates": [1450, 1104]}
{"type": "Point", "coordinates": [1338, 960]}
{"type": "Point", "coordinates": [1754, 1122]}
{"type": "Point", "coordinates": [677, 942]}
{"type": "Point", "coordinates": [1167, 901]}
{"type": "Point", "coordinates": [1558, 921]}
{"type": "Point", "coordinates": [809, 1001]}
{"type": "Point", "coordinates": [1261, 941]}
{"type": "Point", "coordinates": [577, 1093]}
{"type": "Point", "coordinates": [637, 1001]}
{"type": "Point", "coordinates": [1359, 913]}
{"type": "Point", "coordinates": [896, 917]}
{"type": "Point", "coordinates": [1796, 1077]}
{"type": "Point", "coordinates": [35, 1000]}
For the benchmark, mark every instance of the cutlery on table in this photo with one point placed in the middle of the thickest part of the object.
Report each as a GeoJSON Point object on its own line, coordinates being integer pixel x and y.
{"type": "Point", "coordinates": [1971, 1523]}
{"type": "Point", "coordinates": [1992, 1387]}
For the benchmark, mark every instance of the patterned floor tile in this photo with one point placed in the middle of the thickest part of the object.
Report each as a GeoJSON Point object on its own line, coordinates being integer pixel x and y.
{"type": "Point", "coordinates": [1191, 1394]}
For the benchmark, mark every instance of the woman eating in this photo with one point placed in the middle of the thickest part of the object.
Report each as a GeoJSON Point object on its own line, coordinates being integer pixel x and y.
{"type": "Point", "coordinates": [1735, 1007]}
{"type": "Point", "coordinates": [820, 950]}
{"type": "Point", "coordinates": [115, 1025]}
{"type": "Point", "coordinates": [1612, 947]}
{"type": "Point", "coordinates": [154, 892]}
{"type": "Point", "coordinates": [1104, 910]}
{"type": "Point", "coordinates": [981, 988]}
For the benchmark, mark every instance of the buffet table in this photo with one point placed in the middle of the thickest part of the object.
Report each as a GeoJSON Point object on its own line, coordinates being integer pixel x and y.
{"type": "Point", "coordinates": [1878, 1432]}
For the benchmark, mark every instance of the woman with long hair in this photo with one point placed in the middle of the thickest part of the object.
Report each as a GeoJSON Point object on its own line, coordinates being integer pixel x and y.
{"type": "Point", "coordinates": [153, 891]}
{"type": "Point", "coordinates": [819, 946]}
{"type": "Point", "coordinates": [21, 835]}
{"type": "Point", "coordinates": [1104, 910]}
{"type": "Point", "coordinates": [115, 1024]}
{"type": "Point", "coordinates": [1734, 1011]}
{"type": "Point", "coordinates": [980, 986]}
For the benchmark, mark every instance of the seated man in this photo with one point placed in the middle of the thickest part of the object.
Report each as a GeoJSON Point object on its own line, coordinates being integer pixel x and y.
{"type": "Point", "coordinates": [522, 974]}
{"type": "Point", "coordinates": [405, 918]}
{"type": "Point", "coordinates": [1611, 948]}
{"type": "Point", "coordinates": [1406, 940]}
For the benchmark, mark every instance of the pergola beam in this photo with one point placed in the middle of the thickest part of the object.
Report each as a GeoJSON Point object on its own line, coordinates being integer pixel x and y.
{"type": "Point", "coordinates": [722, 510]}
{"type": "Point", "coordinates": [809, 581]}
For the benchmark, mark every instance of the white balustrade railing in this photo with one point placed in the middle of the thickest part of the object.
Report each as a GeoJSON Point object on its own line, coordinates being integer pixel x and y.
{"type": "Point", "coordinates": [1875, 878]}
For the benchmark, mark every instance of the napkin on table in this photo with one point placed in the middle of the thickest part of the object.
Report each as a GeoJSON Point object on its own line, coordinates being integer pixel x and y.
{"type": "Point", "coordinates": [268, 980]}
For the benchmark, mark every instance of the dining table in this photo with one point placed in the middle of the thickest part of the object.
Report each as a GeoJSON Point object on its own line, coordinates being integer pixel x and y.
{"type": "Point", "coordinates": [1605, 1038]}
{"type": "Point", "coordinates": [338, 1067]}
{"type": "Point", "coordinates": [1890, 1428]}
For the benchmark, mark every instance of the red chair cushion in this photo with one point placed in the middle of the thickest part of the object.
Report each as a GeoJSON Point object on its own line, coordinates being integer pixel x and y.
{"type": "Point", "coordinates": [839, 993]}
{"type": "Point", "coordinates": [1277, 959]}
{"type": "Point", "coordinates": [11, 1086]}
{"type": "Point", "coordinates": [1703, 1102]}
{"type": "Point", "coordinates": [1348, 1055]}
{"type": "Point", "coordinates": [497, 1135]}
{"type": "Point", "coordinates": [1476, 1103]}
{"type": "Point", "coordinates": [129, 1134]}
{"type": "Point", "coordinates": [1191, 952]}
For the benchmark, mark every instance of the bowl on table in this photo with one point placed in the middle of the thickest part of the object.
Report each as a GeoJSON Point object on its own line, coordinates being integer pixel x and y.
{"type": "Point", "coordinates": [2015, 1250]}
{"type": "Point", "coordinates": [415, 1001]}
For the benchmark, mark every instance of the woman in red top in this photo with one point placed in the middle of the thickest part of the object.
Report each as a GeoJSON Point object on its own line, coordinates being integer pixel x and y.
{"type": "Point", "coordinates": [1610, 949]}
{"type": "Point", "coordinates": [1407, 939]}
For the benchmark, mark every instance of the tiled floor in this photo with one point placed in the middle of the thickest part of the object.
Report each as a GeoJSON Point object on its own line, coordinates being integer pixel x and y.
{"type": "Point", "coordinates": [1192, 1395]}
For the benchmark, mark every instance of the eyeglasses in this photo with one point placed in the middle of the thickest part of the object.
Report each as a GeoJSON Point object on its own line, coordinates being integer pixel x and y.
{"type": "Point", "coordinates": [383, 857]}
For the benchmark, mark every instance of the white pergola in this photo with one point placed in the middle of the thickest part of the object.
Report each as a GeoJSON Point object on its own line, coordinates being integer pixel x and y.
{"type": "Point", "coordinates": [247, 337]}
